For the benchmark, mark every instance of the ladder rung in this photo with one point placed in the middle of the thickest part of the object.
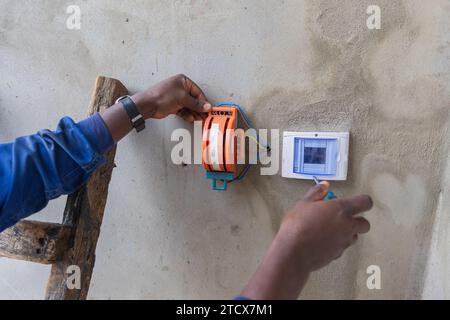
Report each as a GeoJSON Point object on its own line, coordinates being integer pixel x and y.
{"type": "Point", "coordinates": [35, 241]}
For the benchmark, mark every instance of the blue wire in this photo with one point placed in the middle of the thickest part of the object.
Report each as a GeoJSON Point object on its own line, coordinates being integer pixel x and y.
{"type": "Point", "coordinates": [243, 174]}
{"type": "Point", "coordinates": [241, 110]}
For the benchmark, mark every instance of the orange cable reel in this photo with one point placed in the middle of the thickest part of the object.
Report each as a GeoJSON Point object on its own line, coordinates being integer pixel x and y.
{"type": "Point", "coordinates": [219, 147]}
{"type": "Point", "coordinates": [221, 143]}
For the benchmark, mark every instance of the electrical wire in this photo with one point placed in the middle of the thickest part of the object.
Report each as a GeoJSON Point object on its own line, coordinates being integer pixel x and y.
{"type": "Point", "coordinates": [241, 110]}
{"type": "Point", "coordinates": [244, 117]}
{"type": "Point", "coordinates": [247, 122]}
{"type": "Point", "coordinates": [243, 173]}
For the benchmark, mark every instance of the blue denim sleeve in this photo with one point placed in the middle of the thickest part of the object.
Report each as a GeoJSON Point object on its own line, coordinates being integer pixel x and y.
{"type": "Point", "coordinates": [41, 167]}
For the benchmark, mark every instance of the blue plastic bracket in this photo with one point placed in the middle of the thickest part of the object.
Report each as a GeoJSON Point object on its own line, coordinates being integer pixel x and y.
{"type": "Point", "coordinates": [224, 177]}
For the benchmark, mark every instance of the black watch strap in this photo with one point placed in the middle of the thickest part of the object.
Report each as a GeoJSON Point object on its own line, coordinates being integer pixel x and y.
{"type": "Point", "coordinates": [137, 120]}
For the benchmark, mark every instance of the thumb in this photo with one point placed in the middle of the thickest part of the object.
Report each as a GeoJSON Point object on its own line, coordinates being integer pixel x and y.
{"type": "Point", "coordinates": [196, 105]}
{"type": "Point", "coordinates": [318, 192]}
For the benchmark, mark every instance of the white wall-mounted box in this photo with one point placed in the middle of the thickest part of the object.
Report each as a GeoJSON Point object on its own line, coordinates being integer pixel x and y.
{"type": "Point", "coordinates": [315, 154]}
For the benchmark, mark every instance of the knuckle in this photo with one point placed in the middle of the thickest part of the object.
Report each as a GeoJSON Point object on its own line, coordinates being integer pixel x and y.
{"type": "Point", "coordinates": [180, 79]}
{"type": "Point", "coordinates": [347, 209]}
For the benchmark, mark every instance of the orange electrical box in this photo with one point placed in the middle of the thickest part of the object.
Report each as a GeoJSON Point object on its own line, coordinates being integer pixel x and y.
{"type": "Point", "coordinates": [219, 149]}
{"type": "Point", "coordinates": [219, 140]}
{"type": "Point", "coordinates": [223, 145]}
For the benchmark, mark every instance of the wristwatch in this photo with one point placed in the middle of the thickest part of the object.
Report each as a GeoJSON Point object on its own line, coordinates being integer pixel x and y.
{"type": "Point", "coordinates": [136, 118]}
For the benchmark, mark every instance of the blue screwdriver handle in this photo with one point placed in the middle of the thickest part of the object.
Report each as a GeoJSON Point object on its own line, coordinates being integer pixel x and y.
{"type": "Point", "coordinates": [330, 196]}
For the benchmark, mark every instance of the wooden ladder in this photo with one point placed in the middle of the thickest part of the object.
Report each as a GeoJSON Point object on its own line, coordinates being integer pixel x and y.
{"type": "Point", "coordinates": [73, 242]}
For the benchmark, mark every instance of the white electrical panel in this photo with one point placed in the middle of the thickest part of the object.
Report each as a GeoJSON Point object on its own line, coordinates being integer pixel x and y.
{"type": "Point", "coordinates": [323, 155]}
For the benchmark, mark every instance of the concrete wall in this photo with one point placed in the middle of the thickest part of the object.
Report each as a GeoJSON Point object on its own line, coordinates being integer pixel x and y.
{"type": "Point", "coordinates": [294, 65]}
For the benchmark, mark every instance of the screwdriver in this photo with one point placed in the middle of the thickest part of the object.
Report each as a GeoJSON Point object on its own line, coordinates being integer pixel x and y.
{"type": "Point", "coordinates": [330, 195]}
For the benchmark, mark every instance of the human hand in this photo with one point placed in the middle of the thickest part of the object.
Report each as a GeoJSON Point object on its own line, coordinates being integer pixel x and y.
{"type": "Point", "coordinates": [176, 95]}
{"type": "Point", "coordinates": [312, 234]}
{"type": "Point", "coordinates": [323, 230]}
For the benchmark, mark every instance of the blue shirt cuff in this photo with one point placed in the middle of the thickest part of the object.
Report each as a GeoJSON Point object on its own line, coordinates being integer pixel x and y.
{"type": "Point", "coordinates": [96, 131]}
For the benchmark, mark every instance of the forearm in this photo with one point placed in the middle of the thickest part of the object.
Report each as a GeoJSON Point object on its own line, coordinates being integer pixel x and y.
{"type": "Point", "coordinates": [41, 167]}
{"type": "Point", "coordinates": [282, 273]}
{"type": "Point", "coordinates": [118, 121]}
{"type": "Point", "coordinates": [38, 168]}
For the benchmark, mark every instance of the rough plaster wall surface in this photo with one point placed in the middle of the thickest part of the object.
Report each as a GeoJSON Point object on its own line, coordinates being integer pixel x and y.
{"type": "Point", "coordinates": [437, 280]}
{"type": "Point", "coordinates": [310, 65]}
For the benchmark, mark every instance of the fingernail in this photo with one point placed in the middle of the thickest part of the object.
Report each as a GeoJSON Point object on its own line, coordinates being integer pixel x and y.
{"type": "Point", "coordinates": [326, 184]}
{"type": "Point", "coordinates": [207, 107]}
{"type": "Point", "coordinates": [371, 201]}
{"type": "Point", "coordinates": [323, 186]}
